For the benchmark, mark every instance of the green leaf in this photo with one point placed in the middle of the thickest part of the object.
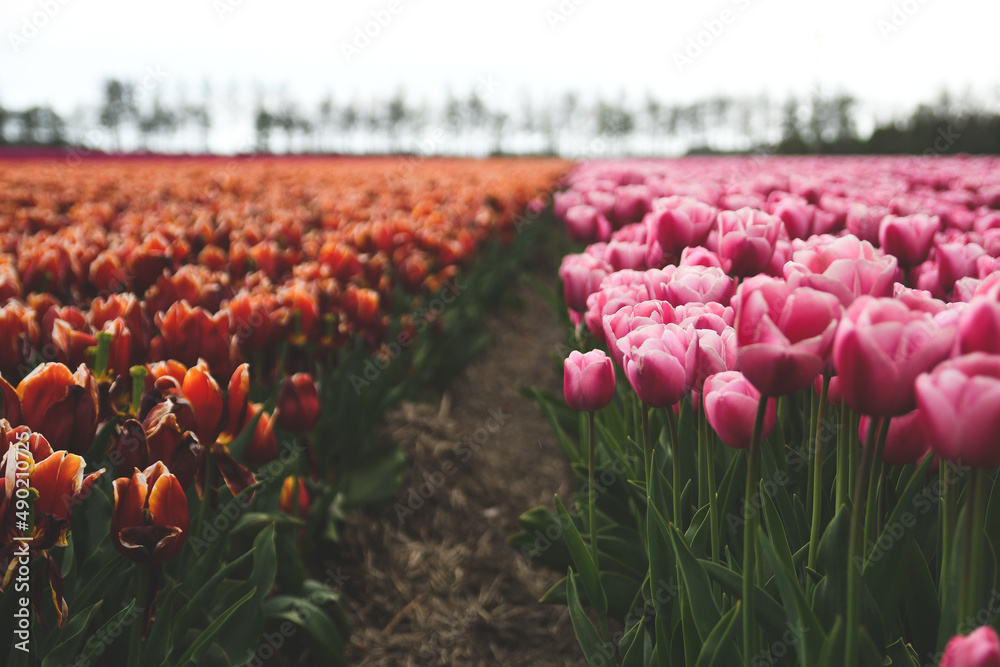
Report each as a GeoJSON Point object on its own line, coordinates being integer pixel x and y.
{"type": "Point", "coordinates": [832, 654]}
{"type": "Point", "coordinates": [570, 450]}
{"type": "Point", "coordinates": [696, 586]}
{"type": "Point", "coordinates": [106, 634]}
{"type": "Point", "coordinates": [583, 561]}
{"type": "Point", "coordinates": [718, 649]}
{"type": "Point", "coordinates": [597, 651]}
{"type": "Point", "coordinates": [115, 565]}
{"type": "Point", "coordinates": [71, 635]}
{"type": "Point", "coordinates": [198, 605]}
{"type": "Point", "coordinates": [798, 611]}
{"type": "Point", "coordinates": [621, 591]}
{"type": "Point", "coordinates": [322, 635]}
{"type": "Point", "coordinates": [213, 629]}
{"type": "Point", "coordinates": [769, 613]}
{"type": "Point", "coordinates": [248, 621]}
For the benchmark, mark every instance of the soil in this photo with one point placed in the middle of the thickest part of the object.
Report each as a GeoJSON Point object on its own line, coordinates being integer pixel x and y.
{"type": "Point", "coordinates": [432, 580]}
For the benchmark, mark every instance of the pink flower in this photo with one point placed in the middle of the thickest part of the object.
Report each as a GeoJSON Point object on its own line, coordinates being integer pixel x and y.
{"type": "Point", "coordinates": [633, 201]}
{"type": "Point", "coordinates": [711, 315]}
{"type": "Point", "coordinates": [625, 255]}
{"type": "Point", "coordinates": [957, 260]}
{"type": "Point", "coordinates": [784, 335]}
{"type": "Point", "coordinates": [958, 400]}
{"type": "Point", "coordinates": [659, 362]}
{"type": "Point", "coordinates": [609, 301]}
{"type": "Point", "coordinates": [880, 348]}
{"type": "Point", "coordinates": [629, 318]}
{"type": "Point", "coordinates": [699, 256]}
{"type": "Point", "coordinates": [747, 238]}
{"type": "Point", "coordinates": [908, 238]}
{"type": "Point", "coordinates": [679, 223]}
{"type": "Point", "coordinates": [585, 223]}
{"type": "Point", "coordinates": [979, 649]}
{"type": "Point", "coordinates": [699, 284]}
{"type": "Point", "coordinates": [716, 353]}
{"type": "Point", "coordinates": [588, 380]}
{"type": "Point", "coordinates": [846, 267]}
{"type": "Point", "coordinates": [797, 215]}
{"type": "Point", "coordinates": [731, 403]}
{"type": "Point", "coordinates": [907, 440]}
{"type": "Point", "coordinates": [581, 276]}
{"type": "Point", "coordinates": [864, 221]}
{"type": "Point", "coordinates": [979, 327]}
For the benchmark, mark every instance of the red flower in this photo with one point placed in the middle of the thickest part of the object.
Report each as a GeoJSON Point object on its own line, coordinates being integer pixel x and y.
{"type": "Point", "coordinates": [150, 521]}
{"type": "Point", "coordinates": [298, 404]}
{"type": "Point", "coordinates": [61, 405]}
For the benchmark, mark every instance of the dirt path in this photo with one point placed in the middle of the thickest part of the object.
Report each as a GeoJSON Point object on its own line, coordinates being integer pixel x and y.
{"type": "Point", "coordinates": [432, 580]}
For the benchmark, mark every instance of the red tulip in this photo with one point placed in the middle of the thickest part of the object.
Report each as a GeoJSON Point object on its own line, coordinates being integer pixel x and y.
{"type": "Point", "coordinates": [203, 393]}
{"type": "Point", "coordinates": [298, 403]}
{"type": "Point", "coordinates": [263, 447]}
{"type": "Point", "coordinates": [731, 403]}
{"type": "Point", "coordinates": [286, 501]}
{"type": "Point", "coordinates": [588, 380]}
{"type": "Point", "coordinates": [190, 334]}
{"type": "Point", "coordinates": [981, 648]}
{"type": "Point", "coordinates": [958, 401]}
{"type": "Point", "coordinates": [784, 335]}
{"type": "Point", "coordinates": [150, 521]}
{"type": "Point", "coordinates": [61, 405]}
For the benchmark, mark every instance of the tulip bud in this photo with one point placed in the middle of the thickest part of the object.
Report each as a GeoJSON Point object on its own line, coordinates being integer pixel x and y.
{"type": "Point", "coordinates": [285, 501]}
{"type": "Point", "coordinates": [979, 649]}
{"type": "Point", "coordinates": [588, 380]}
{"type": "Point", "coordinates": [731, 404]}
{"type": "Point", "coordinates": [298, 403]}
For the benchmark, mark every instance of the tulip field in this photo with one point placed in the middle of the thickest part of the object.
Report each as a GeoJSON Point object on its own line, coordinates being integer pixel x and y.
{"type": "Point", "coordinates": [783, 410]}
{"type": "Point", "coordinates": [780, 407]}
{"type": "Point", "coordinates": [195, 355]}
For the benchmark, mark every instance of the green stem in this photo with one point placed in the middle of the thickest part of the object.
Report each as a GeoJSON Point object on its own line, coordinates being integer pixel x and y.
{"type": "Point", "coordinates": [816, 460]}
{"type": "Point", "coordinates": [103, 352]}
{"type": "Point", "coordinates": [843, 444]}
{"type": "Point", "coordinates": [141, 578]}
{"type": "Point", "coordinates": [647, 443]}
{"type": "Point", "coordinates": [854, 548]}
{"type": "Point", "coordinates": [591, 491]}
{"type": "Point", "coordinates": [713, 496]}
{"type": "Point", "coordinates": [980, 491]}
{"type": "Point", "coordinates": [678, 511]}
{"type": "Point", "coordinates": [946, 516]}
{"type": "Point", "coordinates": [871, 505]}
{"type": "Point", "coordinates": [703, 488]}
{"type": "Point", "coordinates": [750, 530]}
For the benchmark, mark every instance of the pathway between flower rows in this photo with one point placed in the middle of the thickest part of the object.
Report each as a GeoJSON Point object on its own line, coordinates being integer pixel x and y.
{"type": "Point", "coordinates": [439, 585]}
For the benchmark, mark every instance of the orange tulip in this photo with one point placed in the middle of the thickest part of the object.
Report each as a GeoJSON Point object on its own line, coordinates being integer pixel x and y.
{"type": "Point", "coordinates": [61, 405]}
{"type": "Point", "coordinates": [150, 521]}
{"type": "Point", "coordinates": [286, 501]}
{"type": "Point", "coordinates": [204, 394]}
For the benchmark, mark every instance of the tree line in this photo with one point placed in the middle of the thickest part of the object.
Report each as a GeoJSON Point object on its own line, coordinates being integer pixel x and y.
{"type": "Point", "coordinates": [129, 119]}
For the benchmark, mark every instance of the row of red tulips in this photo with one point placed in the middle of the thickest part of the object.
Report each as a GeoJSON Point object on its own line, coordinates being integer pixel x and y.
{"type": "Point", "coordinates": [755, 297]}
{"type": "Point", "coordinates": [197, 301]}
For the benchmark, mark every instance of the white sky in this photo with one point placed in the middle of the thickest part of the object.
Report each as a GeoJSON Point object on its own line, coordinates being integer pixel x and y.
{"type": "Point", "coordinates": [433, 46]}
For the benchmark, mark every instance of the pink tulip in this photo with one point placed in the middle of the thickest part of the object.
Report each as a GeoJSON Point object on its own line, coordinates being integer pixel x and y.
{"type": "Point", "coordinates": [656, 281]}
{"type": "Point", "coordinates": [845, 267]}
{"type": "Point", "coordinates": [581, 276]}
{"type": "Point", "coordinates": [711, 315]}
{"type": "Point", "coordinates": [629, 318]}
{"type": "Point", "coordinates": [833, 394]}
{"type": "Point", "coordinates": [880, 348]}
{"type": "Point", "coordinates": [681, 224]}
{"type": "Point", "coordinates": [979, 649]}
{"type": "Point", "coordinates": [797, 215]}
{"type": "Point", "coordinates": [563, 201]}
{"type": "Point", "coordinates": [908, 238]}
{"type": "Point", "coordinates": [588, 380]}
{"type": "Point", "coordinates": [699, 256]}
{"type": "Point", "coordinates": [659, 363]}
{"type": "Point", "coordinates": [716, 353]}
{"type": "Point", "coordinates": [747, 238]}
{"type": "Point", "coordinates": [864, 221]}
{"type": "Point", "coordinates": [608, 302]}
{"type": "Point", "coordinates": [958, 400]}
{"type": "Point", "coordinates": [699, 284]}
{"type": "Point", "coordinates": [957, 260]}
{"type": "Point", "coordinates": [634, 233]}
{"type": "Point", "coordinates": [907, 440]}
{"type": "Point", "coordinates": [784, 335]}
{"type": "Point", "coordinates": [585, 223]}
{"type": "Point", "coordinates": [633, 202]}
{"type": "Point", "coordinates": [625, 255]}
{"type": "Point", "coordinates": [731, 403]}
{"type": "Point", "coordinates": [979, 327]}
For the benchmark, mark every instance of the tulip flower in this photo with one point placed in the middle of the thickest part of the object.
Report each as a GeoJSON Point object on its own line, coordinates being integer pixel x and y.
{"type": "Point", "coordinates": [189, 334]}
{"type": "Point", "coordinates": [61, 405]}
{"type": "Point", "coordinates": [588, 380]}
{"type": "Point", "coordinates": [629, 318]}
{"type": "Point", "coordinates": [585, 223]}
{"type": "Point", "coordinates": [979, 327]}
{"type": "Point", "coordinates": [907, 440]}
{"type": "Point", "coordinates": [958, 400]}
{"type": "Point", "coordinates": [981, 648]}
{"type": "Point", "coordinates": [660, 363]}
{"type": "Point", "coordinates": [679, 222]}
{"type": "Point", "coordinates": [150, 521]}
{"type": "Point", "coordinates": [731, 403]}
{"type": "Point", "coordinates": [880, 348]}
{"type": "Point", "coordinates": [203, 393]}
{"type": "Point", "coordinates": [784, 335]}
{"type": "Point", "coordinates": [298, 403]}
{"type": "Point", "coordinates": [845, 267]}
{"type": "Point", "coordinates": [609, 301]}
{"type": "Point", "coordinates": [697, 284]}
{"type": "Point", "coordinates": [956, 261]}
{"type": "Point", "coordinates": [581, 276]}
{"type": "Point", "coordinates": [747, 238]}
{"type": "Point", "coordinates": [286, 500]}
{"type": "Point", "coordinates": [908, 238]}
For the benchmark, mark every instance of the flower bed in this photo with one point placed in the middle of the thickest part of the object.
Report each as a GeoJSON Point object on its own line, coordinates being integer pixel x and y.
{"type": "Point", "coordinates": [196, 353]}
{"type": "Point", "coordinates": [787, 421]}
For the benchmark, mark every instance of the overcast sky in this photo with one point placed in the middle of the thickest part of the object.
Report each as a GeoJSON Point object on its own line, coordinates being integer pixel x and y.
{"type": "Point", "coordinates": [888, 52]}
